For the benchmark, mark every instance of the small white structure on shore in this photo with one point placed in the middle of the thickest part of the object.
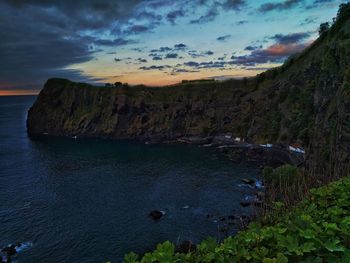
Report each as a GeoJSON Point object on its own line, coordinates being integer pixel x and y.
{"type": "Point", "coordinates": [238, 139]}
{"type": "Point", "coordinates": [268, 145]}
{"type": "Point", "coordinates": [296, 149]}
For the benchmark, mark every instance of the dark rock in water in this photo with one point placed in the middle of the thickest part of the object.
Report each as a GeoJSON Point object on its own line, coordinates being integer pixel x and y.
{"type": "Point", "coordinates": [224, 229]}
{"type": "Point", "coordinates": [245, 203]}
{"type": "Point", "coordinates": [248, 181]}
{"type": "Point", "coordinates": [209, 215]}
{"type": "Point", "coordinates": [231, 217]}
{"type": "Point", "coordinates": [186, 247]}
{"type": "Point", "coordinates": [10, 250]}
{"type": "Point", "coordinates": [155, 214]}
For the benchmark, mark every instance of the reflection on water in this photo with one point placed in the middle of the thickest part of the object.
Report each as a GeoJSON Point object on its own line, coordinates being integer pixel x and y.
{"type": "Point", "coordinates": [89, 200]}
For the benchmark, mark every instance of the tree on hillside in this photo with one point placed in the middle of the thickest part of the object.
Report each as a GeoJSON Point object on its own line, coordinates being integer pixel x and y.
{"type": "Point", "coordinates": [118, 84]}
{"type": "Point", "coordinates": [343, 10]}
{"type": "Point", "coordinates": [324, 27]}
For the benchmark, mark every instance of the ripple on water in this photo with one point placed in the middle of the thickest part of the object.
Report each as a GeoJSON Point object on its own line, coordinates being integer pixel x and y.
{"type": "Point", "coordinates": [89, 200]}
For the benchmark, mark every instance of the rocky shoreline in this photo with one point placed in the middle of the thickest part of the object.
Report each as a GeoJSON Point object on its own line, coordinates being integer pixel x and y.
{"type": "Point", "coordinates": [238, 150]}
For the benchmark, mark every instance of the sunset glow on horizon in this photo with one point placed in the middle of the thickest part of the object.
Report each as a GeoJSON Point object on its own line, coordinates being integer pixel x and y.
{"type": "Point", "coordinates": [19, 92]}
{"type": "Point", "coordinates": [154, 42]}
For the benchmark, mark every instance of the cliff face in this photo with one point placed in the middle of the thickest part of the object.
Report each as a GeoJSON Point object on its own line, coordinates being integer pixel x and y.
{"type": "Point", "coordinates": [65, 108]}
{"type": "Point", "coordinates": [307, 100]}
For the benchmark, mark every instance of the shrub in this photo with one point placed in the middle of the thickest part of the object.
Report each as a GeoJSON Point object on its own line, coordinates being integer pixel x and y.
{"type": "Point", "coordinates": [286, 174]}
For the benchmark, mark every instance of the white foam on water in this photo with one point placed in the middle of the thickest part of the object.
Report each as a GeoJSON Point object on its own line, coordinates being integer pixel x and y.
{"type": "Point", "coordinates": [258, 184]}
{"type": "Point", "coordinates": [24, 246]}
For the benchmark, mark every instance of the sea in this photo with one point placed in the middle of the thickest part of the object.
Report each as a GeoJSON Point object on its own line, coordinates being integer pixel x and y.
{"type": "Point", "coordinates": [88, 200]}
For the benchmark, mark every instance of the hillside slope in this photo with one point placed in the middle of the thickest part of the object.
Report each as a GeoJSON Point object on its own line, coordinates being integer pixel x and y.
{"type": "Point", "coordinates": [307, 100]}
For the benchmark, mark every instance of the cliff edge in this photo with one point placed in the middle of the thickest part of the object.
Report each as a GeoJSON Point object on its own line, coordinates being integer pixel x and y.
{"type": "Point", "coordinates": [305, 101]}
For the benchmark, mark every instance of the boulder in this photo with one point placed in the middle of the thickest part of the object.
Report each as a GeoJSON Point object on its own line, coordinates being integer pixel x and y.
{"type": "Point", "coordinates": [9, 250]}
{"type": "Point", "coordinates": [156, 214]}
{"type": "Point", "coordinates": [245, 203]}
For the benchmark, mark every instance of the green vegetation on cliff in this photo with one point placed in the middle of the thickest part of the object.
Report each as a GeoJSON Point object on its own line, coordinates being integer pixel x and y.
{"type": "Point", "coordinates": [316, 230]}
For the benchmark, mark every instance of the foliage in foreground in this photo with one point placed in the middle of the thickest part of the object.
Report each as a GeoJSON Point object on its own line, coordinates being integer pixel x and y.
{"type": "Point", "coordinates": [316, 230]}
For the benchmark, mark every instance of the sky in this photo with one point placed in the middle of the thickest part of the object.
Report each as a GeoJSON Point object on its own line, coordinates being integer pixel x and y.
{"type": "Point", "coordinates": [151, 42]}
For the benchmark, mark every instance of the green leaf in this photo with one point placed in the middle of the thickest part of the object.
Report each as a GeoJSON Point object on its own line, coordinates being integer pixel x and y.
{"type": "Point", "coordinates": [333, 245]}
{"type": "Point", "coordinates": [131, 258]}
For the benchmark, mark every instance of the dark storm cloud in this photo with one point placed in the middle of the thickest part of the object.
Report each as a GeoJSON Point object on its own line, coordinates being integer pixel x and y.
{"type": "Point", "coordinates": [30, 53]}
{"type": "Point", "coordinates": [182, 70]}
{"type": "Point", "coordinates": [212, 64]}
{"type": "Point", "coordinates": [320, 3]}
{"type": "Point", "coordinates": [135, 29]}
{"type": "Point", "coordinates": [208, 17]}
{"type": "Point", "coordinates": [234, 4]}
{"type": "Point", "coordinates": [191, 64]}
{"type": "Point", "coordinates": [153, 54]}
{"type": "Point", "coordinates": [113, 43]}
{"type": "Point", "coordinates": [276, 53]}
{"type": "Point", "coordinates": [180, 46]}
{"type": "Point", "coordinates": [173, 15]}
{"type": "Point", "coordinates": [203, 65]}
{"type": "Point", "coordinates": [150, 16]}
{"type": "Point", "coordinates": [251, 48]}
{"type": "Point", "coordinates": [223, 38]}
{"type": "Point", "coordinates": [215, 7]}
{"type": "Point", "coordinates": [171, 55]}
{"type": "Point", "coordinates": [242, 22]}
{"type": "Point", "coordinates": [138, 49]}
{"type": "Point", "coordinates": [290, 38]}
{"type": "Point", "coordinates": [308, 21]}
{"type": "Point", "coordinates": [197, 54]}
{"type": "Point", "coordinates": [209, 53]}
{"type": "Point", "coordinates": [284, 5]}
{"type": "Point", "coordinates": [161, 49]}
{"type": "Point", "coordinates": [157, 58]}
{"type": "Point", "coordinates": [40, 38]}
{"type": "Point", "coordinates": [160, 3]}
{"type": "Point", "coordinates": [80, 14]}
{"type": "Point", "coordinates": [142, 60]}
{"type": "Point", "coordinates": [154, 67]}
{"type": "Point", "coordinates": [283, 47]}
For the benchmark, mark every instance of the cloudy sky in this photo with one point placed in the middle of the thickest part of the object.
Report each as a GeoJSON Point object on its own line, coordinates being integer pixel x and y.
{"type": "Point", "coordinates": [153, 42]}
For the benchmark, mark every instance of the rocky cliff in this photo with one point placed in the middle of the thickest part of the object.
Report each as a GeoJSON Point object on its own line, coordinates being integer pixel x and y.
{"type": "Point", "coordinates": [307, 100]}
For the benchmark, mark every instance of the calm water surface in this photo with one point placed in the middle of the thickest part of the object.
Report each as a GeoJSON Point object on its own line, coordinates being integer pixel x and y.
{"type": "Point", "coordinates": [88, 200]}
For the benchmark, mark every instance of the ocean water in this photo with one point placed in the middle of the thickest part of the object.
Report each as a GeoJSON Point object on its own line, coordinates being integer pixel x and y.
{"type": "Point", "coordinates": [88, 200]}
